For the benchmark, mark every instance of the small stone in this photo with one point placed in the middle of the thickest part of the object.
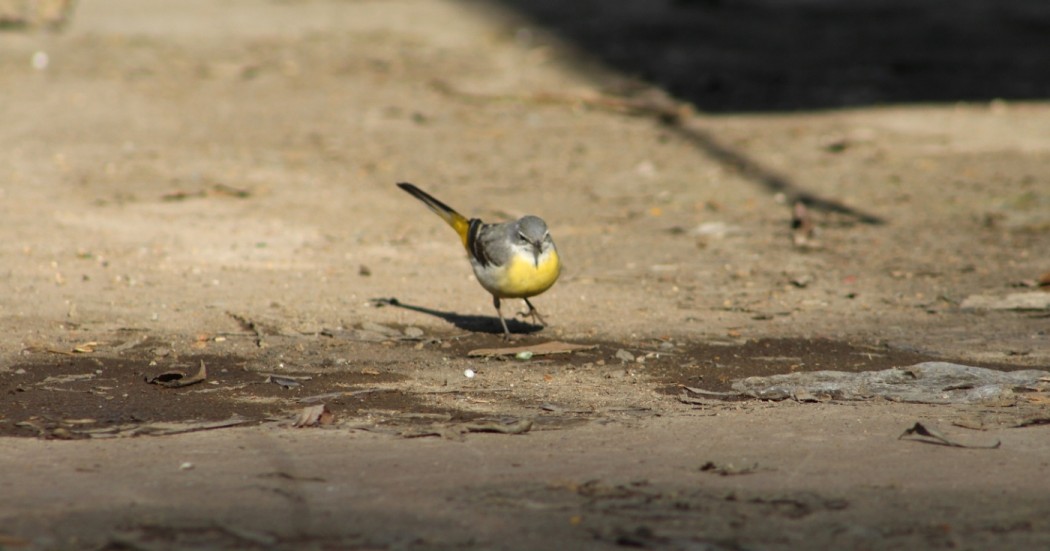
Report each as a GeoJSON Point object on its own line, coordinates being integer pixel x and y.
{"type": "Point", "coordinates": [367, 336]}
{"type": "Point", "coordinates": [40, 60]}
{"type": "Point", "coordinates": [624, 356]}
{"type": "Point", "coordinates": [469, 373]}
{"type": "Point", "coordinates": [413, 332]}
{"type": "Point", "coordinates": [186, 466]}
{"type": "Point", "coordinates": [802, 280]}
{"type": "Point", "coordinates": [381, 329]}
{"type": "Point", "coordinates": [523, 356]}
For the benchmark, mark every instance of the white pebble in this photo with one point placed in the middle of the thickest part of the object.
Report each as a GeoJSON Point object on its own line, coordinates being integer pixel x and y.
{"type": "Point", "coordinates": [469, 373]}
{"type": "Point", "coordinates": [186, 466]}
{"type": "Point", "coordinates": [40, 61]}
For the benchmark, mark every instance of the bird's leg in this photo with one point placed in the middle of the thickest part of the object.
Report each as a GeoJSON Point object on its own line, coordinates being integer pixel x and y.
{"type": "Point", "coordinates": [533, 313]}
{"type": "Point", "coordinates": [499, 312]}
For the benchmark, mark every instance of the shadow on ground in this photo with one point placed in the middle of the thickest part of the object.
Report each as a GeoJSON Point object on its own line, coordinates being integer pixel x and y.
{"type": "Point", "coordinates": [785, 55]}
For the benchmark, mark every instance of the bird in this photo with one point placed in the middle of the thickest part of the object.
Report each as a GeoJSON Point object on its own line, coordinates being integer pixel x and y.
{"type": "Point", "coordinates": [515, 259]}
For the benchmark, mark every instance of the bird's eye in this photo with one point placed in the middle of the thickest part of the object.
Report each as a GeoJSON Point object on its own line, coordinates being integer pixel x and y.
{"type": "Point", "coordinates": [522, 236]}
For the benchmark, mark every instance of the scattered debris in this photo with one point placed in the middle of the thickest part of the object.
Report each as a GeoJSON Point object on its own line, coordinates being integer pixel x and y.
{"type": "Point", "coordinates": [248, 325]}
{"type": "Point", "coordinates": [63, 379]}
{"type": "Point", "coordinates": [543, 349]}
{"type": "Point", "coordinates": [921, 433]}
{"type": "Point", "coordinates": [162, 428]}
{"type": "Point", "coordinates": [216, 190]}
{"type": "Point", "coordinates": [518, 426]}
{"type": "Point", "coordinates": [803, 229]}
{"type": "Point", "coordinates": [728, 469]}
{"type": "Point", "coordinates": [178, 379]}
{"type": "Point", "coordinates": [343, 394]}
{"type": "Point", "coordinates": [85, 348]}
{"type": "Point", "coordinates": [373, 332]}
{"type": "Point", "coordinates": [313, 416]}
{"type": "Point", "coordinates": [702, 392]}
{"type": "Point", "coordinates": [686, 399]}
{"type": "Point", "coordinates": [287, 381]}
{"type": "Point", "coordinates": [501, 426]}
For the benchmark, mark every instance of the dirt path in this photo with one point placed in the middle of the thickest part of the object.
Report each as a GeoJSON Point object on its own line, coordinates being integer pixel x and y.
{"type": "Point", "coordinates": [200, 181]}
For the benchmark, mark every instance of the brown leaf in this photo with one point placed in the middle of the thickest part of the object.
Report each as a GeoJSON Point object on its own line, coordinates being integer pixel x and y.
{"type": "Point", "coordinates": [312, 416]}
{"type": "Point", "coordinates": [85, 348]}
{"type": "Point", "coordinates": [177, 379]}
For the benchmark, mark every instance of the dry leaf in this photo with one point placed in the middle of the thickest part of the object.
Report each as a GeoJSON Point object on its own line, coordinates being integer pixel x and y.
{"type": "Point", "coordinates": [177, 379]}
{"type": "Point", "coordinates": [85, 348]}
{"type": "Point", "coordinates": [312, 416]}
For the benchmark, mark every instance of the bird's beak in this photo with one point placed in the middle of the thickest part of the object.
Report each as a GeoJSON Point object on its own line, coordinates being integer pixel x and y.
{"type": "Point", "coordinates": [537, 248]}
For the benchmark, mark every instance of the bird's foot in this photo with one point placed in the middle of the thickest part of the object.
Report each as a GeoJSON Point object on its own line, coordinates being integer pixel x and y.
{"type": "Point", "coordinates": [533, 314]}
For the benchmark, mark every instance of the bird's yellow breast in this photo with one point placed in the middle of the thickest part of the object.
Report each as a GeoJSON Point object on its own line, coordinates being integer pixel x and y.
{"type": "Point", "coordinates": [525, 278]}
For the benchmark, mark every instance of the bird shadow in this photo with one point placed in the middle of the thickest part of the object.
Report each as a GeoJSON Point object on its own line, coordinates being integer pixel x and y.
{"type": "Point", "coordinates": [472, 323]}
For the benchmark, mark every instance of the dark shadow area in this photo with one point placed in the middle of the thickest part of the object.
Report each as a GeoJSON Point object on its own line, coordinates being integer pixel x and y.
{"type": "Point", "coordinates": [785, 55]}
{"type": "Point", "coordinates": [474, 324]}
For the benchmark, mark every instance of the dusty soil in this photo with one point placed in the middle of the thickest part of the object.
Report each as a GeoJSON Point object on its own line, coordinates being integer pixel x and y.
{"type": "Point", "coordinates": [213, 183]}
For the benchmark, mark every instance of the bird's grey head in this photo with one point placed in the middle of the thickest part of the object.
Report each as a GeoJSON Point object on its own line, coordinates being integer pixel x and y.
{"type": "Point", "coordinates": [532, 231]}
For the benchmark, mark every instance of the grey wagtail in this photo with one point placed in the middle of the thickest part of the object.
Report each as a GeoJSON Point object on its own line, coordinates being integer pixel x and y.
{"type": "Point", "coordinates": [511, 259]}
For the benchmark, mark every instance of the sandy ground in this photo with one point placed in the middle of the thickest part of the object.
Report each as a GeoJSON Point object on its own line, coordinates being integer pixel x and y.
{"type": "Point", "coordinates": [215, 181]}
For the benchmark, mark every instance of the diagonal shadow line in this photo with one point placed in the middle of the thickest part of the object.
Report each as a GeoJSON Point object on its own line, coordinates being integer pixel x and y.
{"type": "Point", "coordinates": [679, 117]}
{"type": "Point", "coordinates": [472, 323]}
{"type": "Point", "coordinates": [765, 177]}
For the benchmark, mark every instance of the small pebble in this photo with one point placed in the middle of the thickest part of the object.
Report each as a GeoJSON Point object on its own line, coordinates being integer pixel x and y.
{"type": "Point", "coordinates": [523, 356]}
{"type": "Point", "coordinates": [469, 373]}
{"type": "Point", "coordinates": [624, 356]}
{"type": "Point", "coordinates": [40, 61]}
{"type": "Point", "coordinates": [413, 332]}
{"type": "Point", "coordinates": [186, 466]}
